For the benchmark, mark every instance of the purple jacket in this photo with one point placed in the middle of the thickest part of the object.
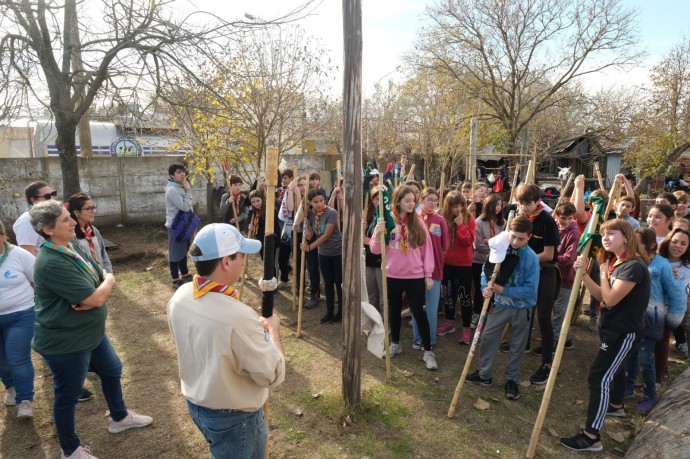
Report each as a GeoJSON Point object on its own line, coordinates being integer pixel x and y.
{"type": "Point", "coordinates": [567, 253]}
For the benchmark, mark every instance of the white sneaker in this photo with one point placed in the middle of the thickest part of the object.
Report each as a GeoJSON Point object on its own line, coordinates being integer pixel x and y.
{"type": "Point", "coordinates": [395, 349]}
{"type": "Point", "coordinates": [24, 409]}
{"type": "Point", "coordinates": [10, 397]}
{"type": "Point", "coordinates": [130, 421]}
{"type": "Point", "coordinates": [283, 284]}
{"type": "Point", "coordinates": [79, 453]}
{"type": "Point", "coordinates": [430, 360]}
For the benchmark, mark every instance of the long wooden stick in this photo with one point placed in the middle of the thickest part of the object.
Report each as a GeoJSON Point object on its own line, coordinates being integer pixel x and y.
{"type": "Point", "coordinates": [475, 340]}
{"type": "Point", "coordinates": [442, 187]}
{"type": "Point", "coordinates": [338, 183]}
{"type": "Point", "coordinates": [303, 262]}
{"type": "Point", "coordinates": [384, 283]}
{"type": "Point", "coordinates": [563, 337]}
{"type": "Point", "coordinates": [602, 185]}
{"type": "Point", "coordinates": [567, 184]}
{"type": "Point", "coordinates": [294, 248]}
{"type": "Point", "coordinates": [244, 267]}
{"type": "Point", "coordinates": [409, 174]}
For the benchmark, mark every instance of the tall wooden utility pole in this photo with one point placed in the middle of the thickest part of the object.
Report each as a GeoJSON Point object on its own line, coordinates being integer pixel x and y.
{"type": "Point", "coordinates": [352, 213]}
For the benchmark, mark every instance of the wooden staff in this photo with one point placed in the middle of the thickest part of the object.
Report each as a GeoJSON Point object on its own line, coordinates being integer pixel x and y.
{"type": "Point", "coordinates": [384, 281]}
{"type": "Point", "coordinates": [602, 185]}
{"type": "Point", "coordinates": [268, 290]}
{"type": "Point", "coordinates": [251, 235]}
{"type": "Point", "coordinates": [516, 177]}
{"type": "Point", "coordinates": [338, 173]}
{"type": "Point", "coordinates": [567, 184]}
{"type": "Point", "coordinates": [294, 244]}
{"type": "Point", "coordinates": [303, 262]}
{"type": "Point", "coordinates": [409, 174]}
{"type": "Point", "coordinates": [546, 399]}
{"type": "Point", "coordinates": [591, 227]}
{"type": "Point", "coordinates": [475, 339]}
{"type": "Point", "coordinates": [442, 187]}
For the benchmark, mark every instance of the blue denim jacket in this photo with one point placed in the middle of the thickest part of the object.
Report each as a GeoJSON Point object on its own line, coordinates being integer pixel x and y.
{"type": "Point", "coordinates": [521, 291]}
{"type": "Point", "coordinates": [667, 300]}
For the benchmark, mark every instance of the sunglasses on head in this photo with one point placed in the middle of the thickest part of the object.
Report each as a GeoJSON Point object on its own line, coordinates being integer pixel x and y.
{"type": "Point", "coordinates": [47, 196]}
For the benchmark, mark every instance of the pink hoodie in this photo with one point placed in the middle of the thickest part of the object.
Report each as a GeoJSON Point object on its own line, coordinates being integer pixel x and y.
{"type": "Point", "coordinates": [415, 264]}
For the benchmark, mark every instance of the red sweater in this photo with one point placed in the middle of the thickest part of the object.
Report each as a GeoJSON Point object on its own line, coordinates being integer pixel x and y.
{"type": "Point", "coordinates": [460, 251]}
{"type": "Point", "coordinates": [440, 240]}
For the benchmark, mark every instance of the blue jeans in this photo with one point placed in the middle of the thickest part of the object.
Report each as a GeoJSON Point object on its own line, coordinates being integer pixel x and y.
{"type": "Point", "coordinates": [431, 308]}
{"type": "Point", "coordinates": [69, 372]}
{"type": "Point", "coordinates": [642, 359]}
{"type": "Point", "coordinates": [16, 369]}
{"type": "Point", "coordinates": [231, 433]}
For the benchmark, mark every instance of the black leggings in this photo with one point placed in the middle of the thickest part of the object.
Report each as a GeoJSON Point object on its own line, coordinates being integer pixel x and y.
{"type": "Point", "coordinates": [332, 272]}
{"type": "Point", "coordinates": [416, 295]}
{"type": "Point", "coordinates": [457, 282]}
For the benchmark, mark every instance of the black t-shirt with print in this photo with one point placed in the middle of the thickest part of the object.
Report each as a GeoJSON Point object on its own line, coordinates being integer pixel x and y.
{"type": "Point", "coordinates": [628, 315]}
{"type": "Point", "coordinates": [544, 234]}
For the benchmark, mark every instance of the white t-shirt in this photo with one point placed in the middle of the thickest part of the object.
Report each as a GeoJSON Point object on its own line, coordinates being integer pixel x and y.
{"type": "Point", "coordinates": [25, 233]}
{"type": "Point", "coordinates": [16, 276]}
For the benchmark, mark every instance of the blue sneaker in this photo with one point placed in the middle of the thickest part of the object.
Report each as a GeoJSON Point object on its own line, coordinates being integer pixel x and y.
{"type": "Point", "coordinates": [85, 395]}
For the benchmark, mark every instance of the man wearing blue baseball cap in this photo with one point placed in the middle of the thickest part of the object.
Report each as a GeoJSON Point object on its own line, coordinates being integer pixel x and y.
{"type": "Point", "coordinates": [228, 356]}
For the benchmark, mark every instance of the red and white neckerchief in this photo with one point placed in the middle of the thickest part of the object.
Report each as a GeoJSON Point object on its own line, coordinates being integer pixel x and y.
{"type": "Point", "coordinates": [88, 235]}
{"type": "Point", "coordinates": [402, 222]}
{"type": "Point", "coordinates": [616, 262]}
{"type": "Point", "coordinates": [536, 212]}
{"type": "Point", "coordinates": [202, 286]}
{"type": "Point", "coordinates": [492, 228]}
{"type": "Point", "coordinates": [425, 216]}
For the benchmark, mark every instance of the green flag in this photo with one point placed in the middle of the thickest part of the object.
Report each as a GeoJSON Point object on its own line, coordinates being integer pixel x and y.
{"type": "Point", "coordinates": [600, 204]}
{"type": "Point", "coordinates": [390, 223]}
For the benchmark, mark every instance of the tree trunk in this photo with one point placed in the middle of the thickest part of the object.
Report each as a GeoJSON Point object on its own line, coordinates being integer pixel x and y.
{"type": "Point", "coordinates": [352, 226]}
{"type": "Point", "coordinates": [211, 204]}
{"type": "Point", "coordinates": [85, 144]}
{"type": "Point", "coordinates": [67, 149]}
{"type": "Point", "coordinates": [672, 157]}
{"type": "Point", "coordinates": [666, 431]}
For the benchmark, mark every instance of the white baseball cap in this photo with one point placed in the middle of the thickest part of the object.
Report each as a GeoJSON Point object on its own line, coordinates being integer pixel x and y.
{"type": "Point", "coordinates": [219, 240]}
{"type": "Point", "coordinates": [498, 246]}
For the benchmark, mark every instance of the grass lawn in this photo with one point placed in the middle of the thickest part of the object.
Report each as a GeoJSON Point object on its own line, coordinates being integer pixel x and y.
{"type": "Point", "coordinates": [403, 417]}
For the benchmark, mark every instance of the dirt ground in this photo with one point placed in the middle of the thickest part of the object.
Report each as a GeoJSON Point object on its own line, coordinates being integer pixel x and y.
{"type": "Point", "coordinates": [403, 417]}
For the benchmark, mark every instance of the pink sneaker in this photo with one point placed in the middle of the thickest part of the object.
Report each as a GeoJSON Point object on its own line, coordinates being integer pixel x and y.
{"type": "Point", "coordinates": [466, 337]}
{"type": "Point", "coordinates": [446, 328]}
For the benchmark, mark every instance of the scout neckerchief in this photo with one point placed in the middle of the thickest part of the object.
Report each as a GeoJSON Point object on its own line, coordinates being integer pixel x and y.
{"type": "Point", "coordinates": [451, 230]}
{"type": "Point", "coordinates": [317, 220]}
{"type": "Point", "coordinates": [426, 215]}
{"type": "Point", "coordinates": [202, 286]}
{"type": "Point", "coordinates": [8, 247]}
{"type": "Point", "coordinates": [70, 252]}
{"type": "Point", "coordinates": [255, 221]}
{"type": "Point", "coordinates": [403, 222]}
{"type": "Point", "coordinates": [88, 235]}
{"type": "Point", "coordinates": [536, 212]}
{"type": "Point", "coordinates": [236, 203]}
{"type": "Point", "coordinates": [492, 228]}
{"type": "Point", "coordinates": [616, 262]}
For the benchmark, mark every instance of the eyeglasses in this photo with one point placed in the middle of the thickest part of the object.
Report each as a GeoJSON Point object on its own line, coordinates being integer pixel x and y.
{"type": "Point", "coordinates": [90, 209]}
{"type": "Point", "coordinates": [47, 196]}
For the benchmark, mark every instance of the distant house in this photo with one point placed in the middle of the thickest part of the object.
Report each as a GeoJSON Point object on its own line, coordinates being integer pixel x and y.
{"type": "Point", "coordinates": [580, 154]}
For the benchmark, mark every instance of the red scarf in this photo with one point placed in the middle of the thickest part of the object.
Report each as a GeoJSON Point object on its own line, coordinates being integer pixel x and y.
{"type": "Point", "coordinates": [492, 228]}
{"type": "Point", "coordinates": [202, 286]}
{"type": "Point", "coordinates": [536, 212]}
{"type": "Point", "coordinates": [88, 235]}
{"type": "Point", "coordinates": [255, 222]}
{"type": "Point", "coordinates": [403, 222]}
{"type": "Point", "coordinates": [425, 216]}
{"type": "Point", "coordinates": [317, 220]}
{"type": "Point", "coordinates": [236, 203]}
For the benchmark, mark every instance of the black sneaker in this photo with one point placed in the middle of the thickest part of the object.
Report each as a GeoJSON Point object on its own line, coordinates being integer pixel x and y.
{"type": "Point", "coordinates": [541, 375]}
{"type": "Point", "coordinates": [475, 378]}
{"type": "Point", "coordinates": [327, 318]}
{"type": "Point", "coordinates": [505, 348]}
{"type": "Point", "coordinates": [312, 303]}
{"type": "Point", "coordinates": [511, 390]}
{"type": "Point", "coordinates": [336, 319]}
{"type": "Point", "coordinates": [568, 344]}
{"type": "Point", "coordinates": [616, 412]}
{"type": "Point", "coordinates": [85, 395]}
{"type": "Point", "coordinates": [582, 442]}
{"type": "Point", "coordinates": [537, 350]}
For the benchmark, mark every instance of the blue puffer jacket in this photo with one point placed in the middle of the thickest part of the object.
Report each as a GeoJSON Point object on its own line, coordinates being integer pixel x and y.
{"type": "Point", "coordinates": [521, 291]}
{"type": "Point", "coordinates": [667, 300]}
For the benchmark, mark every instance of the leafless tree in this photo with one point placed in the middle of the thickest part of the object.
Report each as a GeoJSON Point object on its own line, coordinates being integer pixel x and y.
{"type": "Point", "coordinates": [122, 46]}
{"type": "Point", "coordinates": [516, 56]}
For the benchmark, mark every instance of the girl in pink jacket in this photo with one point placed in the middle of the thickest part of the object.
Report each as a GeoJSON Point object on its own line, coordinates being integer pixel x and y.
{"type": "Point", "coordinates": [409, 268]}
